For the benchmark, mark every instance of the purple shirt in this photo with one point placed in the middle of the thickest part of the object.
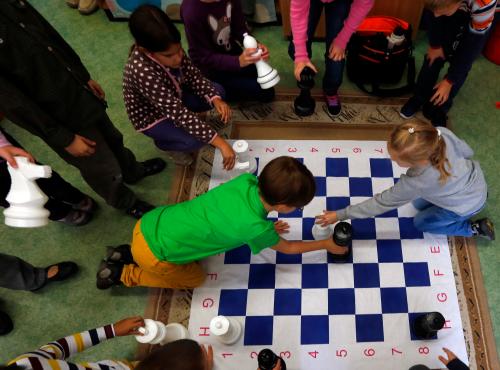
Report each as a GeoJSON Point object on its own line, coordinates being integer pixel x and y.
{"type": "Point", "coordinates": [3, 140]}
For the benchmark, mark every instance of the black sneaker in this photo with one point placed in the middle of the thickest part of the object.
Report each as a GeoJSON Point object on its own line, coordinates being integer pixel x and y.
{"type": "Point", "coordinates": [6, 324]}
{"type": "Point", "coordinates": [333, 104]}
{"type": "Point", "coordinates": [76, 217]}
{"type": "Point", "coordinates": [484, 228]}
{"type": "Point", "coordinates": [411, 107]}
{"type": "Point", "coordinates": [139, 209]}
{"type": "Point", "coordinates": [64, 271]}
{"type": "Point", "coordinates": [88, 205]}
{"type": "Point", "coordinates": [120, 254]}
{"type": "Point", "coordinates": [108, 275]}
{"type": "Point", "coordinates": [435, 114]}
{"type": "Point", "coordinates": [151, 167]}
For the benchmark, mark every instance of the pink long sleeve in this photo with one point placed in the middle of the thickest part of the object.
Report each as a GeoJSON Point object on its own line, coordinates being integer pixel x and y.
{"type": "Point", "coordinates": [3, 140]}
{"type": "Point", "coordinates": [299, 19]}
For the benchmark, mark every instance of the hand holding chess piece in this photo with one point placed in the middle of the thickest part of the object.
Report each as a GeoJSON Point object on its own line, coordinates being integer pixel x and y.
{"type": "Point", "coordinates": [268, 360]}
{"type": "Point", "coordinates": [156, 332]}
{"type": "Point", "coordinates": [244, 161]}
{"type": "Point", "coordinates": [226, 329]}
{"type": "Point", "coordinates": [342, 236]}
{"type": "Point", "coordinates": [321, 232]}
{"type": "Point", "coordinates": [25, 197]}
{"type": "Point", "coordinates": [304, 104]}
{"type": "Point", "coordinates": [267, 76]}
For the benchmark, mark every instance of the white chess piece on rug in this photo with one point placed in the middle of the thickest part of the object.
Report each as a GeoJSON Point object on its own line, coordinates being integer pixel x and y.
{"type": "Point", "coordinates": [267, 76]}
{"type": "Point", "coordinates": [25, 198]}
{"type": "Point", "coordinates": [156, 332]}
{"type": "Point", "coordinates": [322, 232]}
{"type": "Point", "coordinates": [226, 329]}
{"type": "Point", "coordinates": [244, 161]}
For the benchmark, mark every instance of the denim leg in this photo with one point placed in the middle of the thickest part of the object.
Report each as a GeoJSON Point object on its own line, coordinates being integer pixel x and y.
{"type": "Point", "coordinates": [438, 220]}
{"type": "Point", "coordinates": [336, 13]}
{"type": "Point", "coordinates": [421, 204]}
{"type": "Point", "coordinates": [197, 103]}
{"type": "Point", "coordinates": [315, 10]}
{"type": "Point", "coordinates": [168, 137]}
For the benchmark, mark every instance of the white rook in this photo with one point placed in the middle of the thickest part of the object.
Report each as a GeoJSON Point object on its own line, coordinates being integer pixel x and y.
{"type": "Point", "coordinates": [322, 232]}
{"type": "Point", "coordinates": [156, 332]}
{"type": "Point", "coordinates": [267, 76]}
{"type": "Point", "coordinates": [244, 161]}
{"type": "Point", "coordinates": [226, 329]}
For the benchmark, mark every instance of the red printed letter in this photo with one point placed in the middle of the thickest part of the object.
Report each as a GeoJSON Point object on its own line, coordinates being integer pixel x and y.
{"type": "Point", "coordinates": [212, 275]}
{"type": "Point", "coordinates": [437, 273]}
{"type": "Point", "coordinates": [435, 249]}
{"type": "Point", "coordinates": [205, 331]}
{"type": "Point", "coordinates": [447, 324]}
{"type": "Point", "coordinates": [442, 297]}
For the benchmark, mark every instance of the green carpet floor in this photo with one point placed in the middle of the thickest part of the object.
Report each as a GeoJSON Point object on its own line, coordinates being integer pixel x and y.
{"type": "Point", "coordinates": [76, 305]}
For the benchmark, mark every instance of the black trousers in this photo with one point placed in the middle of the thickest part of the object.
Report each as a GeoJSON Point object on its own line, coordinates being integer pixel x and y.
{"type": "Point", "coordinates": [60, 192]}
{"type": "Point", "coordinates": [20, 275]}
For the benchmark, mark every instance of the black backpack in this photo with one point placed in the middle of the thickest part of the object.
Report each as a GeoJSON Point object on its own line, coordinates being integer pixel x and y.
{"type": "Point", "coordinates": [372, 61]}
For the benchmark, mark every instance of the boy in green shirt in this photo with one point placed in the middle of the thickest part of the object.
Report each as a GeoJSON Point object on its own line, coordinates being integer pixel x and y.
{"type": "Point", "coordinates": [168, 241]}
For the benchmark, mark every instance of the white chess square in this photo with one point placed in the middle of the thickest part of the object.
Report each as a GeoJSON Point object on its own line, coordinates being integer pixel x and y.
{"type": "Point", "coordinates": [315, 207]}
{"type": "Point", "coordinates": [364, 251]}
{"type": "Point", "coordinates": [367, 300]}
{"type": "Point", "coordinates": [342, 330]}
{"type": "Point", "coordinates": [260, 302]}
{"type": "Point", "coordinates": [421, 299]}
{"type": "Point", "coordinates": [415, 250]}
{"type": "Point", "coordinates": [397, 326]}
{"type": "Point", "coordinates": [315, 162]}
{"type": "Point", "coordinates": [266, 255]}
{"type": "Point", "coordinates": [228, 276]}
{"type": "Point", "coordinates": [286, 334]}
{"type": "Point", "coordinates": [314, 301]}
{"type": "Point", "coordinates": [314, 257]}
{"type": "Point", "coordinates": [337, 186]}
{"type": "Point", "coordinates": [359, 167]}
{"type": "Point", "coordinates": [288, 276]}
{"type": "Point", "coordinates": [387, 228]}
{"type": "Point", "coordinates": [392, 275]}
{"type": "Point", "coordinates": [295, 230]}
{"type": "Point", "coordinates": [340, 275]}
{"type": "Point", "coordinates": [379, 184]}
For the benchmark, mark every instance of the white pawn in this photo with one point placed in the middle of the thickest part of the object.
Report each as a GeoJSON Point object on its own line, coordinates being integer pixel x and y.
{"type": "Point", "coordinates": [322, 232]}
{"type": "Point", "coordinates": [244, 162]}
{"type": "Point", "coordinates": [226, 329]}
{"type": "Point", "coordinates": [156, 332]}
{"type": "Point", "coordinates": [25, 198]}
{"type": "Point", "coordinates": [267, 76]}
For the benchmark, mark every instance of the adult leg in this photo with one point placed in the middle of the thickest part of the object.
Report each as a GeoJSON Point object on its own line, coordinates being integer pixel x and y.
{"type": "Point", "coordinates": [438, 220]}
{"type": "Point", "coordinates": [20, 275]}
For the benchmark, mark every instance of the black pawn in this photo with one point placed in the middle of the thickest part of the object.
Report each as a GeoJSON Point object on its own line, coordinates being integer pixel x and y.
{"type": "Point", "coordinates": [427, 325]}
{"type": "Point", "coordinates": [342, 234]}
{"type": "Point", "coordinates": [304, 104]}
{"type": "Point", "coordinates": [268, 360]}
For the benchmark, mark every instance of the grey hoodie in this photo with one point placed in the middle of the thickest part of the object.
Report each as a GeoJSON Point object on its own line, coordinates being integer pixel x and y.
{"type": "Point", "coordinates": [463, 193]}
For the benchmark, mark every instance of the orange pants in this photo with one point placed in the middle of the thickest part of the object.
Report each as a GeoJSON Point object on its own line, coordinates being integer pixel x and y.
{"type": "Point", "coordinates": [152, 272]}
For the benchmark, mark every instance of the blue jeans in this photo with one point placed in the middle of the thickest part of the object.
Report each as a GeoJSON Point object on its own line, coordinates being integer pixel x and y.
{"type": "Point", "coordinates": [437, 220]}
{"type": "Point", "coordinates": [336, 13]}
{"type": "Point", "coordinates": [167, 136]}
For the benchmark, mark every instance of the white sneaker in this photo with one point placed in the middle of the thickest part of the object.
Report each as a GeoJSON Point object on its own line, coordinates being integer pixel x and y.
{"type": "Point", "coordinates": [87, 6]}
{"type": "Point", "coordinates": [180, 158]}
{"type": "Point", "coordinates": [72, 3]}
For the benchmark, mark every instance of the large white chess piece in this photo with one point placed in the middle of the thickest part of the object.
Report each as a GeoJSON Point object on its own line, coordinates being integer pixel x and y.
{"type": "Point", "coordinates": [226, 329]}
{"type": "Point", "coordinates": [244, 161]}
{"type": "Point", "coordinates": [25, 198]}
{"type": "Point", "coordinates": [322, 232]}
{"type": "Point", "coordinates": [267, 76]}
{"type": "Point", "coordinates": [156, 332]}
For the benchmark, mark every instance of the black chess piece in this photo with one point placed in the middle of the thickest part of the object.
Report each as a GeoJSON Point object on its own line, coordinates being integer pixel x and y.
{"type": "Point", "coordinates": [305, 104]}
{"type": "Point", "coordinates": [268, 360]}
{"type": "Point", "coordinates": [427, 325]}
{"type": "Point", "coordinates": [342, 236]}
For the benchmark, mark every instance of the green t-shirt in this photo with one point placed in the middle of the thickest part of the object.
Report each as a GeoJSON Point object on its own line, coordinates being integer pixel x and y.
{"type": "Point", "coordinates": [224, 218]}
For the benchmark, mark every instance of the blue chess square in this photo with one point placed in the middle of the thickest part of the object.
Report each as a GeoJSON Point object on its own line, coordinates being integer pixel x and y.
{"type": "Point", "coordinates": [363, 229]}
{"type": "Point", "coordinates": [411, 320]}
{"type": "Point", "coordinates": [314, 330]}
{"type": "Point", "coordinates": [389, 251]}
{"type": "Point", "coordinates": [391, 213]}
{"type": "Point", "coordinates": [307, 225]}
{"type": "Point", "coordinates": [341, 302]}
{"type": "Point", "coordinates": [315, 275]}
{"type": "Point", "coordinates": [369, 328]}
{"type": "Point", "coordinates": [233, 302]}
{"type": "Point", "coordinates": [288, 258]}
{"type": "Point", "coordinates": [381, 167]}
{"type": "Point", "coordinates": [262, 276]}
{"type": "Point", "coordinates": [416, 274]}
{"type": "Point", "coordinates": [258, 331]}
{"type": "Point", "coordinates": [287, 302]}
{"type": "Point", "coordinates": [360, 187]}
{"type": "Point", "coordinates": [394, 300]}
{"type": "Point", "coordinates": [337, 167]}
{"type": "Point", "coordinates": [366, 275]}
{"type": "Point", "coordinates": [407, 229]}
{"type": "Point", "coordinates": [238, 255]}
{"type": "Point", "coordinates": [336, 203]}
{"type": "Point", "coordinates": [320, 186]}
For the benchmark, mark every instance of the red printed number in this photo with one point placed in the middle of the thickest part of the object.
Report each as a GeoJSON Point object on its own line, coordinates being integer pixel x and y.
{"type": "Point", "coordinates": [356, 150]}
{"type": "Point", "coordinates": [341, 353]}
{"type": "Point", "coordinates": [226, 355]}
{"type": "Point", "coordinates": [314, 150]}
{"type": "Point", "coordinates": [254, 355]}
{"type": "Point", "coordinates": [423, 350]}
{"type": "Point", "coordinates": [369, 352]}
{"type": "Point", "coordinates": [394, 351]}
{"type": "Point", "coordinates": [269, 150]}
{"type": "Point", "coordinates": [313, 354]}
{"type": "Point", "coordinates": [286, 354]}
{"type": "Point", "coordinates": [335, 150]}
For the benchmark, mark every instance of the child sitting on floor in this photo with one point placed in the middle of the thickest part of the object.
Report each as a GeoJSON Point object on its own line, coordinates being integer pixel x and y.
{"type": "Point", "coordinates": [457, 34]}
{"type": "Point", "coordinates": [182, 354]}
{"type": "Point", "coordinates": [164, 91]}
{"type": "Point", "coordinates": [168, 241]}
{"type": "Point", "coordinates": [214, 30]}
{"type": "Point", "coordinates": [444, 183]}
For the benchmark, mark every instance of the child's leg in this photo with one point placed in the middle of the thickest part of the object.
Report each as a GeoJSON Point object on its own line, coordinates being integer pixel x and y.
{"type": "Point", "coordinates": [438, 220]}
{"type": "Point", "coordinates": [427, 79]}
{"type": "Point", "coordinates": [421, 204]}
{"type": "Point", "coordinates": [151, 272]}
{"type": "Point", "coordinates": [335, 14]}
{"type": "Point", "coordinates": [168, 137]}
{"type": "Point", "coordinates": [198, 104]}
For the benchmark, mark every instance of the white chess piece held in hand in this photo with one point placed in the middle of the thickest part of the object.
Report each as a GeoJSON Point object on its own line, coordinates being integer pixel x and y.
{"type": "Point", "coordinates": [267, 76]}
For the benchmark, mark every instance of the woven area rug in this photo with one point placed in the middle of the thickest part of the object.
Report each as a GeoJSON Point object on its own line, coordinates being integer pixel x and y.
{"type": "Point", "coordinates": [376, 117]}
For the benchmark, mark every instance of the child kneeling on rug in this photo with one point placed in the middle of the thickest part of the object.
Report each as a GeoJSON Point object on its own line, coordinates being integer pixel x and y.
{"type": "Point", "coordinates": [184, 354]}
{"type": "Point", "coordinates": [168, 241]}
{"type": "Point", "coordinates": [442, 181]}
{"type": "Point", "coordinates": [164, 92]}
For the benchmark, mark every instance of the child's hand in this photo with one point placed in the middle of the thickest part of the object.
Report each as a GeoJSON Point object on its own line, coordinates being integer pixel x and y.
{"type": "Point", "coordinates": [433, 54]}
{"type": "Point", "coordinates": [81, 147]}
{"type": "Point", "coordinates": [10, 151]}
{"type": "Point", "coordinates": [327, 218]}
{"type": "Point", "coordinates": [96, 89]}
{"type": "Point", "coordinates": [333, 248]}
{"type": "Point", "coordinates": [223, 109]}
{"type": "Point", "coordinates": [208, 355]}
{"type": "Point", "coordinates": [246, 58]}
{"type": "Point", "coordinates": [336, 53]}
{"type": "Point", "coordinates": [451, 357]}
{"type": "Point", "coordinates": [265, 51]}
{"type": "Point", "coordinates": [299, 66]}
{"type": "Point", "coordinates": [128, 326]}
{"type": "Point", "coordinates": [442, 93]}
{"type": "Point", "coordinates": [281, 227]}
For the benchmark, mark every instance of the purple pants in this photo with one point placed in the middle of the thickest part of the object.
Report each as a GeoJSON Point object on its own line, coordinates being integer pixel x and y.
{"type": "Point", "coordinates": [169, 137]}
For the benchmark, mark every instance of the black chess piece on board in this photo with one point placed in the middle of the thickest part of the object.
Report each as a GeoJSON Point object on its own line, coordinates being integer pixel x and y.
{"type": "Point", "coordinates": [342, 236]}
{"type": "Point", "coordinates": [268, 360]}
{"type": "Point", "coordinates": [427, 325]}
{"type": "Point", "coordinates": [305, 104]}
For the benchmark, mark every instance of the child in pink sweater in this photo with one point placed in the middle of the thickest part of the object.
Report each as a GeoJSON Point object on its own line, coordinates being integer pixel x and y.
{"type": "Point", "coordinates": [342, 19]}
